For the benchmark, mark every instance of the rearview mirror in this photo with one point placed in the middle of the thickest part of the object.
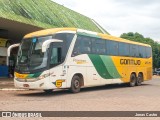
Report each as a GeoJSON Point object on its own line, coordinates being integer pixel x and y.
{"type": "Point", "coordinates": [9, 51]}
{"type": "Point", "coordinates": [46, 44]}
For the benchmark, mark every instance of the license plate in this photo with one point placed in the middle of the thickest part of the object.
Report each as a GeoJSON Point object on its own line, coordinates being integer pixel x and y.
{"type": "Point", "coordinates": [26, 85]}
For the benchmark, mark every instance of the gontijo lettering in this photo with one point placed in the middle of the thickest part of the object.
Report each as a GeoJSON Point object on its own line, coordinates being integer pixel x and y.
{"type": "Point", "coordinates": [130, 62]}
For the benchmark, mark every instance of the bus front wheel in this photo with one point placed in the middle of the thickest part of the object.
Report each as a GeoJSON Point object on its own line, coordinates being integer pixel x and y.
{"type": "Point", "coordinates": [75, 84]}
{"type": "Point", "coordinates": [133, 80]}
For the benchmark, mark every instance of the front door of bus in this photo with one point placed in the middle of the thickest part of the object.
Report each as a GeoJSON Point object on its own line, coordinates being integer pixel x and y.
{"type": "Point", "coordinates": [55, 63]}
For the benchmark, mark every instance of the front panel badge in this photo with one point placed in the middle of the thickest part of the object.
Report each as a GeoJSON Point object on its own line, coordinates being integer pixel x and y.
{"type": "Point", "coordinates": [58, 83]}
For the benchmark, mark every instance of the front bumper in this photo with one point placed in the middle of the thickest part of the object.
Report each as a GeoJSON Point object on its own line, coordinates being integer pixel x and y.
{"type": "Point", "coordinates": [40, 84]}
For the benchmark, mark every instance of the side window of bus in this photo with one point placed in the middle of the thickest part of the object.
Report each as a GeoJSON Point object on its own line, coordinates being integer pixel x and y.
{"type": "Point", "coordinates": [77, 47]}
{"type": "Point", "coordinates": [82, 46]}
{"type": "Point", "coordinates": [98, 46]}
{"type": "Point", "coordinates": [141, 51]}
{"type": "Point", "coordinates": [148, 52]}
{"type": "Point", "coordinates": [67, 39]}
{"type": "Point", "coordinates": [123, 49]}
{"type": "Point", "coordinates": [86, 45]}
{"type": "Point", "coordinates": [134, 50]}
{"type": "Point", "coordinates": [55, 56]}
{"type": "Point", "coordinates": [112, 47]}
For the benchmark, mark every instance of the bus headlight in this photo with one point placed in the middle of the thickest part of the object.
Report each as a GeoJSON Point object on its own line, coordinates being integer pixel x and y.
{"type": "Point", "coordinates": [32, 79]}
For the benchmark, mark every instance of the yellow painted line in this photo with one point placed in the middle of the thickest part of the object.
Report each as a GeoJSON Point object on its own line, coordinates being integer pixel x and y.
{"type": "Point", "coordinates": [12, 89]}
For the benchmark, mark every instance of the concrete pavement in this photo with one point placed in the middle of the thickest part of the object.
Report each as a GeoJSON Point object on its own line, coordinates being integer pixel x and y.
{"type": "Point", "coordinates": [7, 84]}
{"type": "Point", "coordinates": [103, 98]}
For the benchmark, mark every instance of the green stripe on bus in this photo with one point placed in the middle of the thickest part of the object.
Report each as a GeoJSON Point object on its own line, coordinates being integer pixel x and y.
{"type": "Point", "coordinates": [100, 67]}
{"type": "Point", "coordinates": [107, 60]}
{"type": "Point", "coordinates": [104, 66]}
{"type": "Point", "coordinates": [34, 75]}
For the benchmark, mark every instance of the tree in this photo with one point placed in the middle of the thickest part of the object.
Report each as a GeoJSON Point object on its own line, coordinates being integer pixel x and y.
{"type": "Point", "coordinates": [140, 38]}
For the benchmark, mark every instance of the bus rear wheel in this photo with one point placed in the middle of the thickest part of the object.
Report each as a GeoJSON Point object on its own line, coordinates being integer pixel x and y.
{"type": "Point", "coordinates": [139, 79]}
{"type": "Point", "coordinates": [133, 80]}
{"type": "Point", "coordinates": [75, 84]}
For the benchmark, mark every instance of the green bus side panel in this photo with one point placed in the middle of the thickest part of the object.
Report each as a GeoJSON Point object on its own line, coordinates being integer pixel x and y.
{"type": "Point", "coordinates": [104, 66]}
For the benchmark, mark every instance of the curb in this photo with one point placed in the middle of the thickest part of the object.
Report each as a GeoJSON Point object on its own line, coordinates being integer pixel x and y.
{"type": "Point", "coordinates": [12, 89]}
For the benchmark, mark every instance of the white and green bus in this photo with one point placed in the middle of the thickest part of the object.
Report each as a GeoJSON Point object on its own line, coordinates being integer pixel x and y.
{"type": "Point", "coordinates": [73, 58]}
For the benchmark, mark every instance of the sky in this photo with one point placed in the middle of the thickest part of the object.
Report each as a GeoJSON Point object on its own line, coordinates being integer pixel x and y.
{"type": "Point", "coordinates": [121, 16]}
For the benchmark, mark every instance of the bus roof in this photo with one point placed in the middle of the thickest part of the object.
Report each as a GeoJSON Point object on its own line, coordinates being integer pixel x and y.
{"type": "Point", "coordinates": [109, 37]}
{"type": "Point", "coordinates": [48, 32]}
{"type": "Point", "coordinates": [84, 32]}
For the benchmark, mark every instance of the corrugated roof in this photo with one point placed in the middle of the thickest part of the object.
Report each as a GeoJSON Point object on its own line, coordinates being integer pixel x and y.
{"type": "Point", "coordinates": [45, 14]}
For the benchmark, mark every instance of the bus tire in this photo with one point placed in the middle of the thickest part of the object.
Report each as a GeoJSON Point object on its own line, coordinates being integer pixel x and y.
{"type": "Point", "coordinates": [139, 79]}
{"type": "Point", "coordinates": [75, 84]}
{"type": "Point", "coordinates": [48, 91]}
{"type": "Point", "coordinates": [133, 80]}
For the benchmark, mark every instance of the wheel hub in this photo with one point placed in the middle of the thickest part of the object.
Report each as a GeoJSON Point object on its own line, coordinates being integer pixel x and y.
{"type": "Point", "coordinates": [76, 84]}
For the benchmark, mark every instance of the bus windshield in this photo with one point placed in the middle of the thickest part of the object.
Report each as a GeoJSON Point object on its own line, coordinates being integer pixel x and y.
{"type": "Point", "coordinates": [30, 56]}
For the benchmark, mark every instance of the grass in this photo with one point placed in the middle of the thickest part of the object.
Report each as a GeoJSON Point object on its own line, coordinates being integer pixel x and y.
{"type": "Point", "coordinates": [44, 14]}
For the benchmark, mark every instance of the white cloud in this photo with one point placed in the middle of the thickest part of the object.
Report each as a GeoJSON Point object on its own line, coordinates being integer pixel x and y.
{"type": "Point", "coordinates": [121, 16]}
